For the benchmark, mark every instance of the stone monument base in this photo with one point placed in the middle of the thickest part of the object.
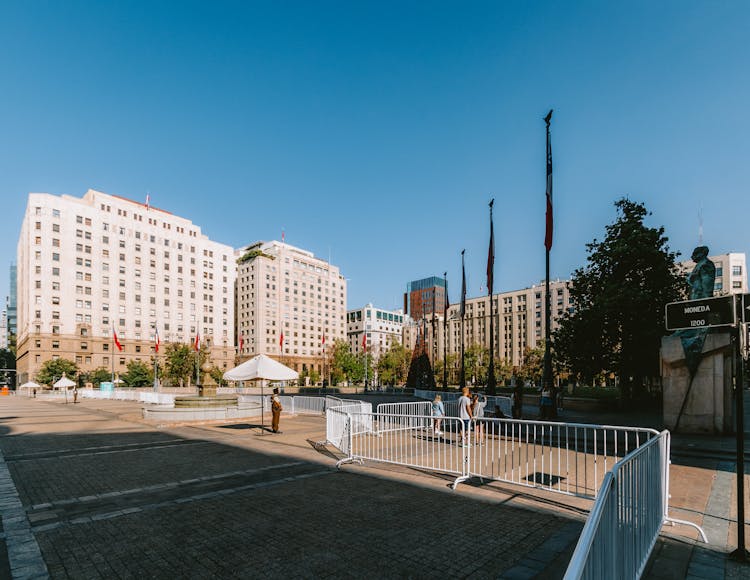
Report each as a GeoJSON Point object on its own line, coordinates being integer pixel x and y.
{"type": "Point", "coordinates": [709, 406]}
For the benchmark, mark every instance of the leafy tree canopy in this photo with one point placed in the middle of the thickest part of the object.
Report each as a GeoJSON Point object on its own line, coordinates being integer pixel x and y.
{"type": "Point", "coordinates": [393, 365]}
{"type": "Point", "coordinates": [52, 370]}
{"type": "Point", "coordinates": [138, 374]}
{"type": "Point", "coordinates": [618, 299]}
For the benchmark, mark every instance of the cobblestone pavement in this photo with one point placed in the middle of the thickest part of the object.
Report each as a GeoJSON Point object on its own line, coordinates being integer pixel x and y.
{"type": "Point", "coordinates": [90, 491]}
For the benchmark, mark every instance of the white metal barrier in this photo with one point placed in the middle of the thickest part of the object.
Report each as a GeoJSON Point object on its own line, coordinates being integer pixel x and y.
{"type": "Point", "coordinates": [404, 416]}
{"type": "Point", "coordinates": [568, 458]}
{"type": "Point", "coordinates": [450, 403]}
{"type": "Point", "coordinates": [624, 524]}
{"type": "Point", "coordinates": [312, 405]}
{"type": "Point", "coordinates": [626, 469]}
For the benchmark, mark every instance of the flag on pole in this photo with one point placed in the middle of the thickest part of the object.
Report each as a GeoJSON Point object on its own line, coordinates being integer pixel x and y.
{"type": "Point", "coordinates": [491, 255]}
{"type": "Point", "coordinates": [548, 232]}
{"type": "Point", "coordinates": [463, 285]}
{"type": "Point", "coordinates": [364, 341]}
{"type": "Point", "coordinates": [117, 342]}
{"type": "Point", "coordinates": [446, 302]}
{"type": "Point", "coordinates": [157, 342]}
{"type": "Point", "coordinates": [281, 340]}
{"type": "Point", "coordinates": [242, 342]}
{"type": "Point", "coordinates": [197, 341]}
{"type": "Point", "coordinates": [323, 340]}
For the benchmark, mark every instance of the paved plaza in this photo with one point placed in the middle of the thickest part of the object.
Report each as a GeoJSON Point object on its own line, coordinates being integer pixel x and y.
{"type": "Point", "coordinates": [90, 490]}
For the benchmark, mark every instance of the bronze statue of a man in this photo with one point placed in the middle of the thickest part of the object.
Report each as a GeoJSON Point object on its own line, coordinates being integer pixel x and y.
{"type": "Point", "coordinates": [701, 279]}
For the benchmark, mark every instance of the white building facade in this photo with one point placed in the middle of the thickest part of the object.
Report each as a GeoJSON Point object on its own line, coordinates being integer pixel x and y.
{"type": "Point", "coordinates": [284, 290]}
{"type": "Point", "coordinates": [382, 328]}
{"type": "Point", "coordinates": [88, 265]}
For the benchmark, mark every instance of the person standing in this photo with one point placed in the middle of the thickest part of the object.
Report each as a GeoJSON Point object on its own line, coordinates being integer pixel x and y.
{"type": "Point", "coordinates": [517, 410]}
{"type": "Point", "coordinates": [464, 413]}
{"type": "Point", "coordinates": [477, 411]}
{"type": "Point", "coordinates": [276, 409]}
{"type": "Point", "coordinates": [438, 412]}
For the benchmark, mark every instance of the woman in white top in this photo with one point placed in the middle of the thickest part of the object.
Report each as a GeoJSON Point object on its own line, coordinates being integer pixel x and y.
{"type": "Point", "coordinates": [438, 412]}
{"type": "Point", "coordinates": [477, 410]}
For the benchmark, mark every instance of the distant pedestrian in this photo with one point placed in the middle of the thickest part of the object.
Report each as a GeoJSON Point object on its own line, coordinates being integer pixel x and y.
{"type": "Point", "coordinates": [276, 409]}
{"type": "Point", "coordinates": [517, 400]}
{"type": "Point", "coordinates": [75, 395]}
{"type": "Point", "coordinates": [438, 412]}
{"type": "Point", "coordinates": [35, 393]}
{"type": "Point", "coordinates": [545, 404]}
{"type": "Point", "coordinates": [464, 413]}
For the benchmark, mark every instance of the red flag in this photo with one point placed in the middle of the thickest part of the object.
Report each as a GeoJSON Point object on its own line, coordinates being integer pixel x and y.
{"type": "Point", "coordinates": [197, 341]}
{"type": "Point", "coordinates": [157, 342]}
{"type": "Point", "coordinates": [548, 232]}
{"type": "Point", "coordinates": [323, 340]}
{"type": "Point", "coordinates": [242, 342]}
{"type": "Point", "coordinates": [117, 342]}
{"type": "Point", "coordinates": [364, 340]}
{"type": "Point", "coordinates": [281, 340]}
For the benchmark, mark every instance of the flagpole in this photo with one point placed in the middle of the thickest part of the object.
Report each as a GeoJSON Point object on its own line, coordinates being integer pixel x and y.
{"type": "Point", "coordinates": [112, 336]}
{"type": "Point", "coordinates": [547, 378]}
{"type": "Point", "coordinates": [491, 383]}
{"type": "Point", "coordinates": [462, 378]}
{"type": "Point", "coordinates": [445, 332]}
{"type": "Point", "coordinates": [433, 346]}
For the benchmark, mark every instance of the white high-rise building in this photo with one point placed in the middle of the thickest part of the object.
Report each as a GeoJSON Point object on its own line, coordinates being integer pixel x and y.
{"type": "Point", "coordinates": [88, 265]}
{"type": "Point", "coordinates": [283, 290]}
{"type": "Point", "coordinates": [382, 327]}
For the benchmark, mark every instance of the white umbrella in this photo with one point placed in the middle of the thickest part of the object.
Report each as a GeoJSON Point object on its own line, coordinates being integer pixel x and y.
{"type": "Point", "coordinates": [261, 368]}
{"type": "Point", "coordinates": [30, 385]}
{"type": "Point", "coordinates": [63, 383]}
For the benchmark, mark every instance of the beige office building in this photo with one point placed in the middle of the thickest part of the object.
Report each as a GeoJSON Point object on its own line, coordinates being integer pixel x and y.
{"type": "Point", "coordinates": [286, 290]}
{"type": "Point", "coordinates": [519, 323]}
{"type": "Point", "coordinates": [88, 265]}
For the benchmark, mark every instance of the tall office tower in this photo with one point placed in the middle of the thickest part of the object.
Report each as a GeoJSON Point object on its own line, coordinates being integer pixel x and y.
{"type": "Point", "coordinates": [287, 302]}
{"type": "Point", "coordinates": [422, 294]}
{"type": "Point", "coordinates": [12, 302]}
{"type": "Point", "coordinates": [101, 262]}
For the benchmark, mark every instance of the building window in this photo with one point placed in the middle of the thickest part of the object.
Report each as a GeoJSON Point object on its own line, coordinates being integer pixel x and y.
{"type": "Point", "coordinates": [736, 270]}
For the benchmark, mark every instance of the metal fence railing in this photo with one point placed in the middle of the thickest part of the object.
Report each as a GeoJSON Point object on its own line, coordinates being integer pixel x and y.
{"type": "Point", "coordinates": [625, 469]}
{"type": "Point", "coordinates": [404, 416]}
{"type": "Point", "coordinates": [624, 524]}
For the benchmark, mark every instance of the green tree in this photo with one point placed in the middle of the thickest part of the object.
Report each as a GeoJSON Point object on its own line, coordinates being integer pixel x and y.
{"type": "Point", "coordinates": [345, 366]}
{"type": "Point", "coordinates": [618, 299]}
{"type": "Point", "coordinates": [452, 358]}
{"type": "Point", "coordinates": [532, 367]}
{"type": "Point", "coordinates": [138, 374]}
{"type": "Point", "coordinates": [96, 376]}
{"type": "Point", "coordinates": [476, 364]}
{"type": "Point", "coordinates": [52, 370]}
{"type": "Point", "coordinates": [393, 365]}
{"type": "Point", "coordinates": [217, 375]}
{"type": "Point", "coordinates": [179, 363]}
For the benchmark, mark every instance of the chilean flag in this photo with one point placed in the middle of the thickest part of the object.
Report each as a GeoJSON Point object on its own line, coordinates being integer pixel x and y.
{"type": "Point", "coordinates": [117, 342]}
{"type": "Point", "coordinates": [242, 342]}
{"type": "Point", "coordinates": [157, 342]}
{"type": "Point", "coordinates": [281, 340]}
{"type": "Point", "coordinates": [197, 341]}
{"type": "Point", "coordinates": [364, 341]}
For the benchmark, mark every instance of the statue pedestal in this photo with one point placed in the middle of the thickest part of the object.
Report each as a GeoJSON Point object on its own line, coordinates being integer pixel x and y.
{"type": "Point", "coordinates": [709, 407]}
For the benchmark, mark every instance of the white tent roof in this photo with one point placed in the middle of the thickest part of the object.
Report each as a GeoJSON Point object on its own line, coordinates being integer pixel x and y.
{"type": "Point", "coordinates": [30, 385]}
{"type": "Point", "coordinates": [261, 367]}
{"type": "Point", "coordinates": [63, 383]}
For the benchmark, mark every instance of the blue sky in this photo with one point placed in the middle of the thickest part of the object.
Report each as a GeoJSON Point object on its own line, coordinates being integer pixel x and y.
{"type": "Point", "coordinates": [377, 132]}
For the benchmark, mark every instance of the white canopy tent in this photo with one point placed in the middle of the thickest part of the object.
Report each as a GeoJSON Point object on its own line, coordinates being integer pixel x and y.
{"type": "Point", "coordinates": [63, 383]}
{"type": "Point", "coordinates": [261, 368]}
{"type": "Point", "coordinates": [29, 386]}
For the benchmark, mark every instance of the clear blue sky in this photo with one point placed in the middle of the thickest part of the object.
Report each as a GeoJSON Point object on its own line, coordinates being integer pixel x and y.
{"type": "Point", "coordinates": [378, 131]}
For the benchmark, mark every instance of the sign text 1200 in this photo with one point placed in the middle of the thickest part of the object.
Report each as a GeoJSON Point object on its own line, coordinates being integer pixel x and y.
{"type": "Point", "coordinates": [697, 323]}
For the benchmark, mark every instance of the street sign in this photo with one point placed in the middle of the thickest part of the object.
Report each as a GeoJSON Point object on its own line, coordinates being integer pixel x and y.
{"type": "Point", "coordinates": [702, 313]}
{"type": "Point", "coordinates": [745, 299]}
